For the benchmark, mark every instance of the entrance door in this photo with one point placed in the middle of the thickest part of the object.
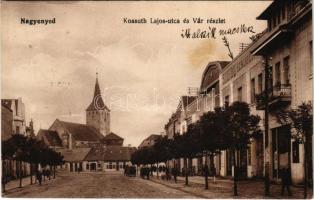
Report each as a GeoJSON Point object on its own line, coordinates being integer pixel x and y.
{"type": "Point", "coordinates": [281, 139]}
{"type": "Point", "coordinates": [93, 166]}
{"type": "Point", "coordinates": [71, 167]}
{"type": "Point", "coordinates": [117, 166]}
{"type": "Point", "coordinates": [242, 161]}
{"type": "Point", "coordinates": [259, 157]}
{"type": "Point", "coordinates": [229, 162]}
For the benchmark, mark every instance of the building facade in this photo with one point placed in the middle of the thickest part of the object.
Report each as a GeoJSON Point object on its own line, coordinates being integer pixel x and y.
{"type": "Point", "coordinates": [189, 111]}
{"type": "Point", "coordinates": [287, 47]}
{"type": "Point", "coordinates": [18, 110]}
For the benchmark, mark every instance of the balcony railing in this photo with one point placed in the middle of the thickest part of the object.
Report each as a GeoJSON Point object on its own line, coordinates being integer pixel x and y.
{"type": "Point", "coordinates": [280, 93]}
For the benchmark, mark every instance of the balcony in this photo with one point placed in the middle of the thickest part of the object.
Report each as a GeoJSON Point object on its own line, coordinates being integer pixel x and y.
{"type": "Point", "coordinates": [278, 96]}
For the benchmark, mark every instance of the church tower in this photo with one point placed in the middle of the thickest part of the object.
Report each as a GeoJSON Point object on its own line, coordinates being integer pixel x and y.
{"type": "Point", "coordinates": [97, 113]}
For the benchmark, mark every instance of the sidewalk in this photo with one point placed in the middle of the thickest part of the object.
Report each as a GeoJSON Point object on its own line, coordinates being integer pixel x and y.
{"type": "Point", "coordinates": [223, 188]}
{"type": "Point", "coordinates": [26, 181]}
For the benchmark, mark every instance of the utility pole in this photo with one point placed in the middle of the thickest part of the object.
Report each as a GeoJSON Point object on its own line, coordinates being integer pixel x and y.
{"type": "Point", "coordinates": [266, 179]}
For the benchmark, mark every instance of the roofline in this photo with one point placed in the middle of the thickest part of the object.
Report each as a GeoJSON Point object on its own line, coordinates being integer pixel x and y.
{"type": "Point", "coordinates": [265, 12]}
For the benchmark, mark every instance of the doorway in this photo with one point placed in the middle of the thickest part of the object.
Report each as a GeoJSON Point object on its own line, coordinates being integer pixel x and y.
{"type": "Point", "coordinates": [93, 166]}
{"type": "Point", "coordinates": [281, 140]}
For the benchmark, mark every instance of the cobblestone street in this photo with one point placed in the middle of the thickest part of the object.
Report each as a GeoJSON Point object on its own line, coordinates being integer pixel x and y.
{"type": "Point", "coordinates": [97, 185]}
{"type": "Point", "coordinates": [115, 185]}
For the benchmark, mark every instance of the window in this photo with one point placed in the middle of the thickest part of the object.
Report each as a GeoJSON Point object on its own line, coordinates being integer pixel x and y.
{"type": "Point", "coordinates": [99, 165]}
{"type": "Point", "coordinates": [283, 12]}
{"type": "Point", "coordinates": [266, 139]}
{"type": "Point", "coordinates": [274, 22]}
{"type": "Point", "coordinates": [278, 18]}
{"type": "Point", "coordinates": [311, 59]}
{"type": "Point", "coordinates": [260, 83]}
{"type": "Point", "coordinates": [87, 166]}
{"type": "Point", "coordinates": [269, 25]}
{"type": "Point", "coordinates": [249, 155]}
{"type": "Point", "coordinates": [295, 152]}
{"type": "Point", "coordinates": [17, 129]}
{"type": "Point", "coordinates": [110, 165]}
{"type": "Point", "coordinates": [277, 73]}
{"type": "Point", "coordinates": [286, 72]}
{"type": "Point", "coordinates": [253, 90]}
{"type": "Point", "coordinates": [240, 94]}
{"type": "Point", "coordinates": [227, 100]}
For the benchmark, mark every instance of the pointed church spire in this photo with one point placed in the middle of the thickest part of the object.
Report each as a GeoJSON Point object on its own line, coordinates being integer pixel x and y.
{"type": "Point", "coordinates": [97, 88]}
{"type": "Point", "coordinates": [97, 102]}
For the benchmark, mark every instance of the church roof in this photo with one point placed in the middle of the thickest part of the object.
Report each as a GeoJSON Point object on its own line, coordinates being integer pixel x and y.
{"type": "Point", "coordinates": [113, 136]}
{"type": "Point", "coordinates": [82, 132]}
{"type": "Point", "coordinates": [97, 102]}
{"type": "Point", "coordinates": [50, 138]}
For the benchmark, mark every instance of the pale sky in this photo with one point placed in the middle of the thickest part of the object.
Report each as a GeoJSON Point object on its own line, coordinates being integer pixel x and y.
{"type": "Point", "coordinates": [143, 68]}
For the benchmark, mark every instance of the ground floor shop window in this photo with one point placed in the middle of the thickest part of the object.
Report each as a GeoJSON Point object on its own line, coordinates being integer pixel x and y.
{"type": "Point", "coordinates": [295, 152]}
{"type": "Point", "coordinates": [110, 165]}
{"type": "Point", "coordinates": [281, 139]}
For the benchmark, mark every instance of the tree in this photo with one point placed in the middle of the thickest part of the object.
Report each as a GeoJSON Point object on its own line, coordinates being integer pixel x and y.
{"type": "Point", "coordinates": [17, 149]}
{"type": "Point", "coordinates": [187, 147]}
{"type": "Point", "coordinates": [162, 151]}
{"type": "Point", "coordinates": [240, 127]}
{"type": "Point", "coordinates": [211, 136]}
{"type": "Point", "coordinates": [28, 149]}
{"type": "Point", "coordinates": [301, 120]}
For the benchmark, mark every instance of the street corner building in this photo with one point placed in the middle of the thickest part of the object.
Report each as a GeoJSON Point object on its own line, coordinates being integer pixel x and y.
{"type": "Point", "coordinates": [90, 146]}
{"type": "Point", "coordinates": [286, 45]}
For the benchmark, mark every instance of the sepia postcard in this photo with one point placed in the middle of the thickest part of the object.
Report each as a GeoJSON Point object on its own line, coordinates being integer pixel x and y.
{"type": "Point", "coordinates": [157, 99]}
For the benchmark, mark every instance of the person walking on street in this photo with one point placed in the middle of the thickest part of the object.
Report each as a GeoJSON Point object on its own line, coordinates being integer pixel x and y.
{"type": "Point", "coordinates": [174, 173]}
{"type": "Point", "coordinates": [39, 175]}
{"type": "Point", "coordinates": [285, 181]}
{"type": "Point", "coordinates": [148, 171]}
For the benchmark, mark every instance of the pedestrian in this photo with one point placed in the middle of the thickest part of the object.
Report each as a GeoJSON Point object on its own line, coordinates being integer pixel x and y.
{"type": "Point", "coordinates": [39, 175]}
{"type": "Point", "coordinates": [148, 171]}
{"type": "Point", "coordinates": [167, 173]}
{"type": "Point", "coordinates": [174, 173]}
{"type": "Point", "coordinates": [285, 180]}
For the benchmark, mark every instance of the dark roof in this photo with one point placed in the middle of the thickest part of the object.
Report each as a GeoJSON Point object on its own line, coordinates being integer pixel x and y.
{"type": "Point", "coordinates": [272, 8]}
{"type": "Point", "coordinates": [95, 154]}
{"type": "Point", "coordinates": [110, 153]}
{"type": "Point", "coordinates": [50, 138]}
{"type": "Point", "coordinates": [208, 79]}
{"type": "Point", "coordinates": [75, 154]}
{"type": "Point", "coordinates": [82, 132]}
{"type": "Point", "coordinates": [6, 107]}
{"type": "Point", "coordinates": [152, 137]}
{"type": "Point", "coordinates": [112, 136]}
{"type": "Point", "coordinates": [97, 102]}
{"type": "Point", "coordinates": [186, 100]}
{"type": "Point", "coordinates": [116, 153]}
{"type": "Point", "coordinates": [6, 102]}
